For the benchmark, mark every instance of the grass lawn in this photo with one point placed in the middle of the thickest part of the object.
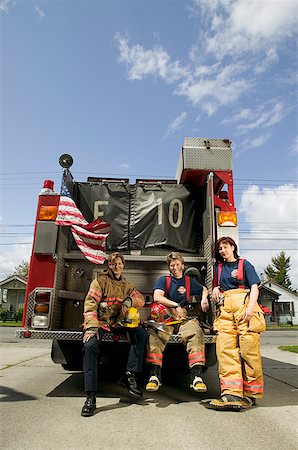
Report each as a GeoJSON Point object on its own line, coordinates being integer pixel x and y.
{"type": "Point", "coordinates": [10, 324]}
{"type": "Point", "coordinates": [289, 348]}
{"type": "Point", "coordinates": [282, 327]}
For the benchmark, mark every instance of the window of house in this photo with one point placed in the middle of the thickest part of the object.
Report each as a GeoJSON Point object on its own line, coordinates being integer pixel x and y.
{"type": "Point", "coordinates": [284, 308]}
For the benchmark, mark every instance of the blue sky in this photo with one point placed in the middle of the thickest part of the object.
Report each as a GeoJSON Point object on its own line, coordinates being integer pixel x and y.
{"type": "Point", "coordinates": [119, 84]}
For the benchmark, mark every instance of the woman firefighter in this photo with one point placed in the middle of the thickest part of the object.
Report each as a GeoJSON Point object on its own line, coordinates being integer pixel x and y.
{"type": "Point", "coordinates": [239, 323]}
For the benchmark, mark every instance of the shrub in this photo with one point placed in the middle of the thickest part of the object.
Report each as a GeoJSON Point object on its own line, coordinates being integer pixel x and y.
{"type": "Point", "coordinates": [18, 314]}
{"type": "Point", "coordinates": [3, 314]}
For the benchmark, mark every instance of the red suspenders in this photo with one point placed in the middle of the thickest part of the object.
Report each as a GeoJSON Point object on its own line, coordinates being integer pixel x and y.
{"type": "Point", "coordinates": [240, 273]}
{"type": "Point", "coordinates": [187, 286]}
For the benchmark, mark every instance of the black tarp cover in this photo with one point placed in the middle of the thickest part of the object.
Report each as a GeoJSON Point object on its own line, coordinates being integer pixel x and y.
{"type": "Point", "coordinates": [141, 216]}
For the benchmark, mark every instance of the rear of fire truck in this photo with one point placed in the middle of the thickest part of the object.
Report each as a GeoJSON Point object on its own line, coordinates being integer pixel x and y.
{"type": "Point", "coordinates": [148, 219]}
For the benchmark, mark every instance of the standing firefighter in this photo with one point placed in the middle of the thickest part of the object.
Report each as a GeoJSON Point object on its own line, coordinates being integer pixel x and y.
{"type": "Point", "coordinates": [112, 303]}
{"type": "Point", "coordinates": [169, 313]}
{"type": "Point", "coordinates": [239, 323]}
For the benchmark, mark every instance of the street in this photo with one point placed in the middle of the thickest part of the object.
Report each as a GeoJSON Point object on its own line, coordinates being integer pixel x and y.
{"type": "Point", "coordinates": [41, 404]}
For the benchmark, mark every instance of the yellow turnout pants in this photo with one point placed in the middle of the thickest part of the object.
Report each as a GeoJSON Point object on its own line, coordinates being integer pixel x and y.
{"type": "Point", "coordinates": [238, 346]}
{"type": "Point", "coordinates": [191, 336]}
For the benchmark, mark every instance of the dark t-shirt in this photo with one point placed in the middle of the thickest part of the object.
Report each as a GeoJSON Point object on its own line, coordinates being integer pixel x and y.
{"type": "Point", "coordinates": [177, 289]}
{"type": "Point", "coordinates": [229, 275]}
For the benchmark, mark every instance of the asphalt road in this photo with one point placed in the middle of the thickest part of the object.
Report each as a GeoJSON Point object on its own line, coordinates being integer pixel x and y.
{"type": "Point", "coordinates": [41, 403]}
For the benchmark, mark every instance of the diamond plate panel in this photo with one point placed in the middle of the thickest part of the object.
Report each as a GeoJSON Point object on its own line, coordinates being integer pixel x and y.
{"type": "Point", "coordinates": [78, 336]}
{"type": "Point", "coordinates": [204, 154]}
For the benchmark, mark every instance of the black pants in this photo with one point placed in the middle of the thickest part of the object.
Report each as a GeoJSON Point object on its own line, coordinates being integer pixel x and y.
{"type": "Point", "coordinates": [137, 343]}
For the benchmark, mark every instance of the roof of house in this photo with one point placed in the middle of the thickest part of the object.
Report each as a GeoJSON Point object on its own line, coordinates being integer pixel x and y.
{"type": "Point", "coordinates": [272, 284]}
{"type": "Point", "coordinates": [13, 278]}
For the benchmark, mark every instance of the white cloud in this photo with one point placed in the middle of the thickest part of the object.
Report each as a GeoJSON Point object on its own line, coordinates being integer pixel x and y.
{"type": "Point", "coordinates": [13, 256]}
{"type": "Point", "coordinates": [142, 62]}
{"type": "Point", "coordinates": [39, 11]}
{"type": "Point", "coordinates": [176, 123]}
{"type": "Point", "coordinates": [264, 116]}
{"type": "Point", "coordinates": [239, 40]}
{"type": "Point", "coordinates": [4, 5]}
{"type": "Point", "coordinates": [294, 147]}
{"type": "Point", "coordinates": [244, 26]}
{"type": "Point", "coordinates": [271, 216]}
{"type": "Point", "coordinates": [124, 166]}
{"type": "Point", "coordinates": [221, 86]}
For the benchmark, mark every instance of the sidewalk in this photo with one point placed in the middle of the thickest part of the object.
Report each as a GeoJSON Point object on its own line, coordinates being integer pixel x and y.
{"type": "Point", "coordinates": [272, 352]}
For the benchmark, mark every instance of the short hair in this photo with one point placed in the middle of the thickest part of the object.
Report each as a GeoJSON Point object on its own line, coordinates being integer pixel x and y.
{"type": "Point", "coordinates": [174, 255]}
{"type": "Point", "coordinates": [224, 240]}
{"type": "Point", "coordinates": [115, 255]}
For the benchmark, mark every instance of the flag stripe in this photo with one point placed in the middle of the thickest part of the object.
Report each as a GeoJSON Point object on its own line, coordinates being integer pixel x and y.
{"type": "Point", "coordinates": [89, 237]}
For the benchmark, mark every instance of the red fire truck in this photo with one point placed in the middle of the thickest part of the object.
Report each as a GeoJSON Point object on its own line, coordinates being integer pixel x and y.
{"type": "Point", "coordinates": [148, 219]}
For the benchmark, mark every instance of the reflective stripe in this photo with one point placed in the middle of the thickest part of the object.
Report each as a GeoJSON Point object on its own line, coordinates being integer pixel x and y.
{"type": "Point", "coordinates": [256, 387]}
{"type": "Point", "coordinates": [154, 358]}
{"type": "Point", "coordinates": [196, 357]}
{"type": "Point", "coordinates": [90, 314]}
{"type": "Point", "coordinates": [95, 294]}
{"type": "Point", "coordinates": [232, 383]}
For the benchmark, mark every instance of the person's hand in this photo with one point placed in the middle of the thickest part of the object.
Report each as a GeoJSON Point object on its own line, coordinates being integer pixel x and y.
{"type": "Point", "coordinates": [204, 304]}
{"type": "Point", "coordinates": [88, 336]}
{"type": "Point", "coordinates": [180, 312]}
{"type": "Point", "coordinates": [216, 294]}
{"type": "Point", "coordinates": [124, 309]}
{"type": "Point", "coordinates": [248, 314]}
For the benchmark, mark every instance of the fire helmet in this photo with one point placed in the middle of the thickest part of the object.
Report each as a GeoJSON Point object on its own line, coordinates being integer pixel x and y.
{"type": "Point", "coordinates": [132, 319]}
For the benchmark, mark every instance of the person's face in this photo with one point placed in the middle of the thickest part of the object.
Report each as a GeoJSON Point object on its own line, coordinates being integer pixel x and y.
{"type": "Point", "coordinates": [117, 267]}
{"type": "Point", "coordinates": [226, 251]}
{"type": "Point", "coordinates": [176, 268]}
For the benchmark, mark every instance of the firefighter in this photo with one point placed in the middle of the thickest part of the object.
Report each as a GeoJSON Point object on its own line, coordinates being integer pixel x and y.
{"type": "Point", "coordinates": [111, 304]}
{"type": "Point", "coordinates": [168, 314]}
{"type": "Point", "coordinates": [238, 324]}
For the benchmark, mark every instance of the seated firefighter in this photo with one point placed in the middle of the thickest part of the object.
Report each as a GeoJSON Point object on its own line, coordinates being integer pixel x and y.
{"type": "Point", "coordinates": [111, 302]}
{"type": "Point", "coordinates": [169, 314]}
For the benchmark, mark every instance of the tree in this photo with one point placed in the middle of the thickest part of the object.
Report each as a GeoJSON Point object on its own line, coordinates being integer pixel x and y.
{"type": "Point", "coordinates": [22, 269]}
{"type": "Point", "coordinates": [278, 270]}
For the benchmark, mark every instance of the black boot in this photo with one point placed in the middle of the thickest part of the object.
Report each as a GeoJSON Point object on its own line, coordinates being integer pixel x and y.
{"type": "Point", "coordinates": [129, 381]}
{"type": "Point", "coordinates": [90, 405]}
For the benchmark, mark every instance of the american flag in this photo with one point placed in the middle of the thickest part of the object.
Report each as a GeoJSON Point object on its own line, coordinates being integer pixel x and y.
{"type": "Point", "coordinates": [89, 237]}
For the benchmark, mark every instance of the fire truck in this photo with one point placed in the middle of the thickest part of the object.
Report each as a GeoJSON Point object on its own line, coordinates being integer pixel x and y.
{"type": "Point", "coordinates": [149, 218]}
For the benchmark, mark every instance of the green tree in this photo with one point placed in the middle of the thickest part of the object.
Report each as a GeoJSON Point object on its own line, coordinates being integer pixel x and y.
{"type": "Point", "coordinates": [278, 270]}
{"type": "Point", "coordinates": [22, 269]}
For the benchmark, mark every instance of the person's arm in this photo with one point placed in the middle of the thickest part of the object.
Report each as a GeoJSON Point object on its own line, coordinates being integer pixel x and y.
{"type": "Point", "coordinates": [135, 299]}
{"type": "Point", "coordinates": [159, 297]}
{"type": "Point", "coordinates": [204, 301]}
{"type": "Point", "coordinates": [90, 311]}
{"type": "Point", "coordinates": [216, 294]}
{"type": "Point", "coordinates": [253, 298]}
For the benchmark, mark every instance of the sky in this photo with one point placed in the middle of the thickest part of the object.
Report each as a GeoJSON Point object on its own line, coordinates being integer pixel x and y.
{"type": "Point", "coordinates": [120, 84]}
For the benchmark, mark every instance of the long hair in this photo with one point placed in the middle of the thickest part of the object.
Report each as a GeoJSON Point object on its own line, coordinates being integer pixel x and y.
{"type": "Point", "coordinates": [224, 240]}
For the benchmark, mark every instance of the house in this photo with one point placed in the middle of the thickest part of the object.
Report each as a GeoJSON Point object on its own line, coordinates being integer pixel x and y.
{"type": "Point", "coordinates": [268, 298]}
{"type": "Point", "coordinates": [284, 307]}
{"type": "Point", "coordinates": [12, 292]}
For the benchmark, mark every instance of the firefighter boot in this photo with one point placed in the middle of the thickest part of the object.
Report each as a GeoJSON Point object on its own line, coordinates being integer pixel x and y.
{"type": "Point", "coordinates": [197, 383]}
{"type": "Point", "coordinates": [154, 382]}
{"type": "Point", "coordinates": [129, 381]}
{"type": "Point", "coordinates": [90, 405]}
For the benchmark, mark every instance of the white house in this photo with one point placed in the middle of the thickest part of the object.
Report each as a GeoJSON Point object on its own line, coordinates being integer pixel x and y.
{"type": "Point", "coordinates": [286, 305]}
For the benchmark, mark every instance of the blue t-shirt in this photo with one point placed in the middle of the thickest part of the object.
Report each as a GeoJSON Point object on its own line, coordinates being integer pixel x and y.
{"type": "Point", "coordinates": [229, 275]}
{"type": "Point", "coordinates": [177, 289]}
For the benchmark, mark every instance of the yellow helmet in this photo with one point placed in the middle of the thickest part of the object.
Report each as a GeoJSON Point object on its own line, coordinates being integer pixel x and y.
{"type": "Point", "coordinates": [132, 319]}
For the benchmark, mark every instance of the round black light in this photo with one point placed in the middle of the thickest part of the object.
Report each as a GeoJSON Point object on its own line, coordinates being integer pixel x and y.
{"type": "Point", "coordinates": [65, 161]}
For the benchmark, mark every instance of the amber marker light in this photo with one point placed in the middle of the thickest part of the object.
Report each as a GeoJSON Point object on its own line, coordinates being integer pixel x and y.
{"type": "Point", "coordinates": [48, 212]}
{"type": "Point", "coordinates": [227, 219]}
